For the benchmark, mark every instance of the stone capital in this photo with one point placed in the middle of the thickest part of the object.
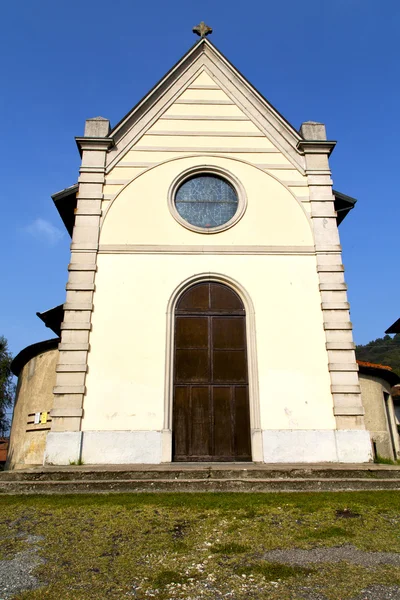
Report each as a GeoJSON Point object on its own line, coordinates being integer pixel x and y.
{"type": "Point", "coordinates": [316, 146]}
{"type": "Point", "coordinates": [94, 143]}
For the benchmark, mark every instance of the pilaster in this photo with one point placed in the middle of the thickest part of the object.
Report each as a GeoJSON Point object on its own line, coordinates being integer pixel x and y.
{"type": "Point", "coordinates": [342, 365]}
{"type": "Point", "coordinates": [75, 330]}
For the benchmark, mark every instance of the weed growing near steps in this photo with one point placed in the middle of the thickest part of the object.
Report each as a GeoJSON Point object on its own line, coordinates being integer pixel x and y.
{"type": "Point", "coordinates": [380, 460]}
{"type": "Point", "coordinates": [79, 461]}
{"type": "Point", "coordinates": [186, 546]}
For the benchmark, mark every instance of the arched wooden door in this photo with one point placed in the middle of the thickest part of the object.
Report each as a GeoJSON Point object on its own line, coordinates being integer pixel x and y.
{"type": "Point", "coordinates": [211, 399]}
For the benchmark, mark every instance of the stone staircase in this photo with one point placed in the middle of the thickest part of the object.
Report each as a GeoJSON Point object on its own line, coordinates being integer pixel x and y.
{"type": "Point", "coordinates": [200, 477]}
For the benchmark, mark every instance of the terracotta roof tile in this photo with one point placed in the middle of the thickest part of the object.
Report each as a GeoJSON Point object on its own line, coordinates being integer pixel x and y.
{"type": "Point", "coordinates": [363, 363]}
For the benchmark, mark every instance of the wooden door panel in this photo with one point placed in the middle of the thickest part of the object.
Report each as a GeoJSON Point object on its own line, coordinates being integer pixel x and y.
{"type": "Point", "coordinates": [200, 422]}
{"type": "Point", "coordinates": [192, 366]}
{"type": "Point", "coordinates": [191, 332]}
{"type": "Point", "coordinates": [228, 332]}
{"type": "Point", "coordinates": [223, 423]}
{"type": "Point", "coordinates": [181, 421]}
{"type": "Point", "coordinates": [242, 423]}
{"type": "Point", "coordinates": [229, 366]}
{"type": "Point", "coordinates": [211, 407]}
{"type": "Point", "coordinates": [196, 298]}
{"type": "Point", "coordinates": [222, 297]}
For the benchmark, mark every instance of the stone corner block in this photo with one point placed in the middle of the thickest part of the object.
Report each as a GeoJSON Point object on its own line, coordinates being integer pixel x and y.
{"type": "Point", "coordinates": [257, 450]}
{"type": "Point", "coordinates": [310, 130]}
{"type": "Point", "coordinates": [62, 447]}
{"type": "Point", "coordinates": [166, 446]}
{"type": "Point", "coordinates": [97, 127]}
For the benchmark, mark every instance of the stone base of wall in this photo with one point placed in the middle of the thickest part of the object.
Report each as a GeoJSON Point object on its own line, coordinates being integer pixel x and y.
{"type": "Point", "coordinates": [316, 446]}
{"type": "Point", "coordinates": [103, 447]}
{"type": "Point", "coordinates": [62, 448]}
{"type": "Point", "coordinates": [146, 447]}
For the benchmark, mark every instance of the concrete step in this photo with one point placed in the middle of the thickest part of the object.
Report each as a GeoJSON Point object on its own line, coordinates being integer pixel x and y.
{"type": "Point", "coordinates": [199, 477]}
{"type": "Point", "coordinates": [200, 472]}
{"type": "Point", "coordinates": [249, 484]}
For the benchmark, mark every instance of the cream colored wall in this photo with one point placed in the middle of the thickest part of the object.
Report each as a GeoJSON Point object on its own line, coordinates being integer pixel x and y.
{"type": "Point", "coordinates": [35, 394]}
{"type": "Point", "coordinates": [140, 213]}
{"type": "Point", "coordinates": [126, 376]}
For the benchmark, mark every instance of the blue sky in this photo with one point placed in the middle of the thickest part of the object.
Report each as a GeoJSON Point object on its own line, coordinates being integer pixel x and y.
{"type": "Point", "coordinates": [65, 61]}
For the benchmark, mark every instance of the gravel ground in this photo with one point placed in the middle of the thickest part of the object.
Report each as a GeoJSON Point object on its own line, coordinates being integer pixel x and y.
{"type": "Point", "coordinates": [347, 553]}
{"type": "Point", "coordinates": [16, 574]}
{"type": "Point", "coordinates": [380, 592]}
{"type": "Point", "coordinates": [374, 592]}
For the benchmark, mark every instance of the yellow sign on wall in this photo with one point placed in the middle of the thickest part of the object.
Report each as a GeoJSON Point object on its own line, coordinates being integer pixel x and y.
{"type": "Point", "coordinates": [43, 417]}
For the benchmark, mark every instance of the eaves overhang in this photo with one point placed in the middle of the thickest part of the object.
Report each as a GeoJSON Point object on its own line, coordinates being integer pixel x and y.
{"type": "Point", "coordinates": [30, 352]}
{"type": "Point", "coordinates": [395, 328]}
{"type": "Point", "coordinates": [53, 318]}
{"type": "Point", "coordinates": [65, 202]}
{"type": "Point", "coordinates": [343, 205]}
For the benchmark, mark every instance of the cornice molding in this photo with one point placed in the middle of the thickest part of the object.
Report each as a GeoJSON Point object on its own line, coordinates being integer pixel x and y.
{"type": "Point", "coordinates": [94, 143]}
{"type": "Point", "coordinates": [316, 146]}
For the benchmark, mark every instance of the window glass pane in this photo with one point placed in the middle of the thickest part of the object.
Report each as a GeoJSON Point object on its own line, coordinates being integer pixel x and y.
{"type": "Point", "coordinates": [206, 201]}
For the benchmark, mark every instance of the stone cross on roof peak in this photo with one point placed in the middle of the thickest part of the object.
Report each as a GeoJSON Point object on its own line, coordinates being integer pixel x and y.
{"type": "Point", "coordinates": [202, 30]}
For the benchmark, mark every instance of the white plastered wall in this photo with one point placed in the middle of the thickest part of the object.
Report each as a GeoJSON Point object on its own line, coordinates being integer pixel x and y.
{"type": "Point", "coordinates": [127, 361]}
{"type": "Point", "coordinates": [126, 375]}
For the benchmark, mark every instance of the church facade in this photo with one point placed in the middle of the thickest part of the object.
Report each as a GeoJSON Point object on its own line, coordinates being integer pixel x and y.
{"type": "Point", "coordinates": [206, 316]}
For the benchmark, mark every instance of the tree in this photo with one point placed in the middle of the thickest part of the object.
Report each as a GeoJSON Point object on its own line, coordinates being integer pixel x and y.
{"type": "Point", "coordinates": [7, 387]}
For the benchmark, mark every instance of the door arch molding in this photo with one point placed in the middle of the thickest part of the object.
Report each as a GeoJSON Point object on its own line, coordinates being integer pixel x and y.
{"type": "Point", "coordinates": [254, 399]}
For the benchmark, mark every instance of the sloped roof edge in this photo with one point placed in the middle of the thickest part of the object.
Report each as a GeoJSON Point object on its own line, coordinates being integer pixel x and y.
{"type": "Point", "coordinates": [200, 46]}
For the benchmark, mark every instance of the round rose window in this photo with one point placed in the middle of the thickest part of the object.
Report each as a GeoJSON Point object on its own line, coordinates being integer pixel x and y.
{"type": "Point", "coordinates": [206, 201]}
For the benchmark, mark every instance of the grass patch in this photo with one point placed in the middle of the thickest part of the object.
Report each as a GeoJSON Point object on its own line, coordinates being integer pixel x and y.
{"type": "Point", "coordinates": [203, 502]}
{"type": "Point", "coordinates": [167, 577]}
{"type": "Point", "coordinates": [229, 548]}
{"type": "Point", "coordinates": [275, 571]}
{"type": "Point", "coordinates": [111, 546]}
{"type": "Point", "coordinates": [10, 546]}
{"type": "Point", "coordinates": [328, 533]}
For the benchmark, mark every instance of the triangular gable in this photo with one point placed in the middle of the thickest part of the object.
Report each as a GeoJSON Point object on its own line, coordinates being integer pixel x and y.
{"type": "Point", "coordinates": [204, 67]}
